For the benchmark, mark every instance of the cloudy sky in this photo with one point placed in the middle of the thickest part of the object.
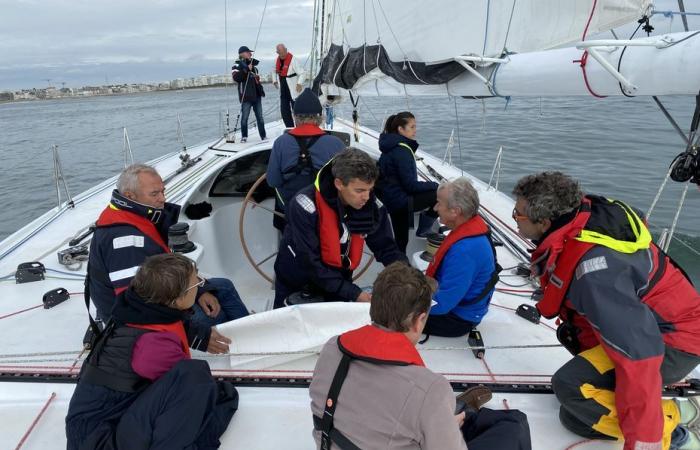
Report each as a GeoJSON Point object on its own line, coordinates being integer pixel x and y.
{"type": "Point", "coordinates": [79, 42]}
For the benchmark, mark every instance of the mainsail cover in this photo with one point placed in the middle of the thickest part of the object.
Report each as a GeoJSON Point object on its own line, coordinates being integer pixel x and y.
{"type": "Point", "coordinates": [415, 42]}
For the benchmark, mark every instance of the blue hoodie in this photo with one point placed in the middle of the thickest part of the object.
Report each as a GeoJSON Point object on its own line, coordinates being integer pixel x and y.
{"type": "Point", "coordinates": [398, 179]}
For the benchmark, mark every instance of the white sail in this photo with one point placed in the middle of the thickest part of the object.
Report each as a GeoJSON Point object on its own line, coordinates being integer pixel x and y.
{"type": "Point", "coordinates": [417, 30]}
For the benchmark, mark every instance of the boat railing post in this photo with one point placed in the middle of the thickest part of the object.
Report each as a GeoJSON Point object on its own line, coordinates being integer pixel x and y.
{"type": "Point", "coordinates": [496, 171]}
{"type": "Point", "coordinates": [60, 180]}
{"type": "Point", "coordinates": [128, 154]}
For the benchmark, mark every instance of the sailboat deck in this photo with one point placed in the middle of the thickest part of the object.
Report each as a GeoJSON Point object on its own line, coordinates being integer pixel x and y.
{"type": "Point", "coordinates": [271, 350]}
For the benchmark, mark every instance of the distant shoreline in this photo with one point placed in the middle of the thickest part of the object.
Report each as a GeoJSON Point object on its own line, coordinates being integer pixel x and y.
{"type": "Point", "coordinates": [116, 94]}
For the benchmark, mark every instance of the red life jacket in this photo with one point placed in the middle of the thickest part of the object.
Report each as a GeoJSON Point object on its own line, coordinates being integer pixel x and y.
{"type": "Point", "coordinates": [373, 344]}
{"type": "Point", "coordinates": [176, 327]}
{"type": "Point", "coordinates": [471, 228]}
{"type": "Point", "coordinates": [668, 293]}
{"type": "Point", "coordinates": [114, 216]}
{"type": "Point", "coordinates": [282, 66]}
{"type": "Point", "coordinates": [329, 238]}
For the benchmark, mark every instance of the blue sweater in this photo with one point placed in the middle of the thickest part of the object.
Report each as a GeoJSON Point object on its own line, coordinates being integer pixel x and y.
{"type": "Point", "coordinates": [464, 272]}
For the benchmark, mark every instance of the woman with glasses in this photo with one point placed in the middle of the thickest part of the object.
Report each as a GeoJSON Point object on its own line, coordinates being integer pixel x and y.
{"type": "Point", "coordinates": [139, 387]}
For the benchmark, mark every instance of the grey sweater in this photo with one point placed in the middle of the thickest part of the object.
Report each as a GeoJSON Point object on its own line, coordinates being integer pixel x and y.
{"type": "Point", "coordinates": [387, 407]}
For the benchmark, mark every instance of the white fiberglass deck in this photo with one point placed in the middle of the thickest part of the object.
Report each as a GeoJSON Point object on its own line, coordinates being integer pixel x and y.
{"type": "Point", "coordinates": [268, 347]}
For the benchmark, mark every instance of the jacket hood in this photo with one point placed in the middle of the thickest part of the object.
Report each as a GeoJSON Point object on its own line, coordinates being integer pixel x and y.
{"type": "Point", "coordinates": [389, 141]}
{"type": "Point", "coordinates": [130, 308]}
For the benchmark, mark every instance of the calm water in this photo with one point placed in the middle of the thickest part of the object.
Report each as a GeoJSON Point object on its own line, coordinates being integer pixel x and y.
{"type": "Point", "coordinates": [619, 147]}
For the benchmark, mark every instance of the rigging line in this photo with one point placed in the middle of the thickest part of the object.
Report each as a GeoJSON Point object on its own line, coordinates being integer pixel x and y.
{"type": "Point", "coordinates": [459, 136]}
{"type": "Point", "coordinates": [675, 218]}
{"type": "Point", "coordinates": [510, 22]}
{"type": "Point", "coordinates": [228, 99]}
{"type": "Point", "coordinates": [688, 246]}
{"type": "Point", "coordinates": [671, 119]}
{"type": "Point", "coordinates": [376, 23]}
{"type": "Point", "coordinates": [486, 28]}
{"type": "Point", "coordinates": [619, 60]}
{"type": "Point", "coordinates": [390, 28]}
{"type": "Point", "coordinates": [255, 46]}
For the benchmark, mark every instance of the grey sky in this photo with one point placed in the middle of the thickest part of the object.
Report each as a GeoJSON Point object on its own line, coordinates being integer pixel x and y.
{"type": "Point", "coordinates": [80, 41]}
{"type": "Point", "coordinates": [88, 41]}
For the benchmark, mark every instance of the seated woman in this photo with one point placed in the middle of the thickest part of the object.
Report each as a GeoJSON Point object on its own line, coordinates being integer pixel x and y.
{"type": "Point", "coordinates": [138, 387]}
{"type": "Point", "coordinates": [465, 264]}
{"type": "Point", "coordinates": [398, 187]}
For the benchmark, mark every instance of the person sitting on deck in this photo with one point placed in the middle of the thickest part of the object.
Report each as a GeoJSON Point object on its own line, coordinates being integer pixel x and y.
{"type": "Point", "coordinates": [139, 388]}
{"type": "Point", "coordinates": [134, 226]}
{"type": "Point", "coordinates": [328, 224]}
{"type": "Point", "coordinates": [628, 314]}
{"type": "Point", "coordinates": [297, 155]}
{"type": "Point", "coordinates": [371, 389]}
{"type": "Point", "coordinates": [464, 265]}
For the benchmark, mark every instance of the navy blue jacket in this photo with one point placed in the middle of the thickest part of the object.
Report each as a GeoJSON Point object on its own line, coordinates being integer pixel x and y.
{"type": "Point", "coordinates": [398, 179]}
{"type": "Point", "coordinates": [241, 73]}
{"type": "Point", "coordinates": [299, 263]}
{"type": "Point", "coordinates": [285, 156]}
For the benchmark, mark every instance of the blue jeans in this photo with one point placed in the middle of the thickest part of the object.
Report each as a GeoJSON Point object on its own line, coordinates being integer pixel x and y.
{"type": "Point", "coordinates": [245, 112]}
{"type": "Point", "coordinates": [232, 306]}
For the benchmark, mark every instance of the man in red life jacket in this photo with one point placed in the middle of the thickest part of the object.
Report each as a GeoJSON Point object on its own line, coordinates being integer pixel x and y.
{"type": "Point", "coordinates": [328, 224]}
{"type": "Point", "coordinates": [372, 390]}
{"type": "Point", "coordinates": [135, 226]}
{"type": "Point", "coordinates": [628, 314]}
{"type": "Point", "coordinates": [289, 78]}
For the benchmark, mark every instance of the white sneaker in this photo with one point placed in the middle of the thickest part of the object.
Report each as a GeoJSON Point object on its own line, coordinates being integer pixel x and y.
{"type": "Point", "coordinates": [264, 139]}
{"type": "Point", "coordinates": [244, 139]}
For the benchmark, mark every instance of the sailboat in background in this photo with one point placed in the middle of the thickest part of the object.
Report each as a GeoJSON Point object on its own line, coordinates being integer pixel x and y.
{"type": "Point", "coordinates": [369, 47]}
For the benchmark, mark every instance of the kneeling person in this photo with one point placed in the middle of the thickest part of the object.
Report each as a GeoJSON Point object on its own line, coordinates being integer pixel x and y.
{"type": "Point", "coordinates": [383, 396]}
{"type": "Point", "coordinates": [328, 225]}
{"type": "Point", "coordinates": [139, 387]}
{"type": "Point", "coordinates": [465, 264]}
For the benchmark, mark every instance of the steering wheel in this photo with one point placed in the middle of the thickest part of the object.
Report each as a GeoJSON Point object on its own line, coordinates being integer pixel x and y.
{"type": "Point", "coordinates": [248, 200]}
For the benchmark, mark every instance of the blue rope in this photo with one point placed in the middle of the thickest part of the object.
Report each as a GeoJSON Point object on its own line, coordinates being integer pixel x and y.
{"type": "Point", "coordinates": [330, 116]}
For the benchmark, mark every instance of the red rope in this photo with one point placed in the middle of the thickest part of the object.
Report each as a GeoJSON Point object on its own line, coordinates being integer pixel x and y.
{"type": "Point", "coordinates": [578, 443]}
{"type": "Point", "coordinates": [20, 312]}
{"type": "Point", "coordinates": [488, 369]}
{"type": "Point", "coordinates": [505, 404]}
{"type": "Point", "coordinates": [584, 58]}
{"type": "Point", "coordinates": [36, 420]}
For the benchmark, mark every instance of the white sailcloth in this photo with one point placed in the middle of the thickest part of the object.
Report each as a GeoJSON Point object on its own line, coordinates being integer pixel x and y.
{"type": "Point", "coordinates": [417, 30]}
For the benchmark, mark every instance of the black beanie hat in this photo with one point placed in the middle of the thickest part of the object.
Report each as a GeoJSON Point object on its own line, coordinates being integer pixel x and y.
{"type": "Point", "coordinates": [307, 104]}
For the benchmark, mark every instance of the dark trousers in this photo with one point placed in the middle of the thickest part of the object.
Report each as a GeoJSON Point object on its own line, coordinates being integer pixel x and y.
{"type": "Point", "coordinates": [232, 306]}
{"type": "Point", "coordinates": [286, 104]}
{"type": "Point", "coordinates": [259, 120]}
{"type": "Point", "coordinates": [447, 325]}
{"type": "Point", "coordinates": [591, 416]}
{"type": "Point", "coordinates": [184, 409]}
{"type": "Point", "coordinates": [402, 219]}
{"type": "Point", "coordinates": [491, 429]}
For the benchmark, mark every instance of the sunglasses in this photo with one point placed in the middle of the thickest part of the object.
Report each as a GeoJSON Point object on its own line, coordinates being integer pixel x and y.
{"type": "Point", "coordinates": [518, 217]}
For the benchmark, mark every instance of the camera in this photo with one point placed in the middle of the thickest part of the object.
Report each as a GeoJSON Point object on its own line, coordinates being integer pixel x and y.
{"type": "Point", "coordinates": [686, 167]}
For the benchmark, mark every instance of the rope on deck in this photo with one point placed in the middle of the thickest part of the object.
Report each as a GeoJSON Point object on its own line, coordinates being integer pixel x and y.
{"type": "Point", "coordinates": [36, 420]}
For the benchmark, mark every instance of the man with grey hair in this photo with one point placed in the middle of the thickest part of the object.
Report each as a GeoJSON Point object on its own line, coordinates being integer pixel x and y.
{"type": "Point", "coordinates": [464, 265]}
{"type": "Point", "coordinates": [289, 78]}
{"type": "Point", "coordinates": [135, 226]}
{"type": "Point", "coordinates": [297, 155]}
{"type": "Point", "coordinates": [627, 313]}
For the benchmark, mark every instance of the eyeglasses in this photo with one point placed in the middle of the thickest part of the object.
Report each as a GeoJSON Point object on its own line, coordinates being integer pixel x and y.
{"type": "Point", "coordinates": [517, 217]}
{"type": "Point", "coordinates": [199, 284]}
